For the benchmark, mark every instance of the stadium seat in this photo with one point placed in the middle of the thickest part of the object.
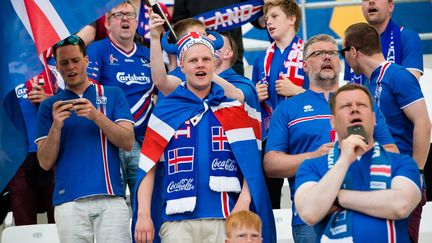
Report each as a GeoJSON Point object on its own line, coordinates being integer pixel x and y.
{"type": "Point", "coordinates": [37, 233]}
{"type": "Point", "coordinates": [426, 224]}
{"type": "Point", "coordinates": [283, 225]}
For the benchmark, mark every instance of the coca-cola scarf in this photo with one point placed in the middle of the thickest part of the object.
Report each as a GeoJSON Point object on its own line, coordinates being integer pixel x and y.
{"type": "Point", "coordinates": [182, 158]}
{"type": "Point", "coordinates": [182, 105]}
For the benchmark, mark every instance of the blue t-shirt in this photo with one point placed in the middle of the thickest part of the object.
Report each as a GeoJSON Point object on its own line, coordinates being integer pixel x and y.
{"type": "Point", "coordinates": [109, 65]}
{"type": "Point", "coordinates": [408, 53]}
{"type": "Point", "coordinates": [80, 168]}
{"type": "Point", "coordinates": [400, 89]}
{"type": "Point", "coordinates": [302, 124]}
{"type": "Point", "coordinates": [365, 228]}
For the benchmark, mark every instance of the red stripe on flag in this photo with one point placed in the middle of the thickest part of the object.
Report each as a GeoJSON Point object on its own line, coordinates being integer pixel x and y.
{"type": "Point", "coordinates": [43, 32]}
{"type": "Point", "coordinates": [256, 125]}
{"type": "Point", "coordinates": [233, 118]}
{"type": "Point", "coordinates": [154, 145]}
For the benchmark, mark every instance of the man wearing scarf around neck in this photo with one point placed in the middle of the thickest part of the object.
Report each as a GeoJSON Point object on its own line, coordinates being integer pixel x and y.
{"type": "Point", "coordinates": [358, 192]}
{"type": "Point", "coordinates": [209, 156]}
{"type": "Point", "coordinates": [398, 94]}
{"type": "Point", "coordinates": [399, 44]}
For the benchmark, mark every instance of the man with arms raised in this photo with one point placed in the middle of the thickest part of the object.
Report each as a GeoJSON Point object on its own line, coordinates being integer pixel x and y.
{"type": "Point", "coordinates": [210, 156]}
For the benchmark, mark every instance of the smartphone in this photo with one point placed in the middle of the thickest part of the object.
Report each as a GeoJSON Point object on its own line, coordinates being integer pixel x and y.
{"type": "Point", "coordinates": [66, 102]}
{"type": "Point", "coordinates": [357, 129]}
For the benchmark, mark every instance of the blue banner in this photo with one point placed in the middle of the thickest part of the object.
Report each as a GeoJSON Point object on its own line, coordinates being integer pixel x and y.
{"type": "Point", "coordinates": [232, 16]}
{"type": "Point", "coordinates": [30, 27]}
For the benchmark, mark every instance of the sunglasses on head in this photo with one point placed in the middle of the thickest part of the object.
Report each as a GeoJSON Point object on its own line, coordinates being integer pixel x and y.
{"type": "Point", "coordinates": [73, 39]}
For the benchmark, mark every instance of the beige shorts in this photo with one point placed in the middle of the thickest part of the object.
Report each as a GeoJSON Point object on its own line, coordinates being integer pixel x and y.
{"type": "Point", "coordinates": [199, 230]}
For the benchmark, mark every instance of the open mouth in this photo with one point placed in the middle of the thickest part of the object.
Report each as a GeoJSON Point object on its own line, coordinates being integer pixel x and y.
{"type": "Point", "coordinates": [125, 26]}
{"type": "Point", "coordinates": [200, 74]}
{"type": "Point", "coordinates": [356, 121]}
{"type": "Point", "coordinates": [70, 75]}
{"type": "Point", "coordinates": [327, 67]}
{"type": "Point", "coordinates": [372, 10]}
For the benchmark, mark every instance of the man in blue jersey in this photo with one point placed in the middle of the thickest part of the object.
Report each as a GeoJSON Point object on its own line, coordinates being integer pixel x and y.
{"type": "Point", "coordinates": [398, 94]}
{"type": "Point", "coordinates": [279, 73]}
{"type": "Point", "coordinates": [79, 132]}
{"type": "Point", "coordinates": [399, 44]}
{"type": "Point", "coordinates": [359, 192]}
{"type": "Point", "coordinates": [300, 128]}
{"type": "Point", "coordinates": [119, 61]}
{"type": "Point", "coordinates": [31, 187]}
{"type": "Point", "coordinates": [210, 156]}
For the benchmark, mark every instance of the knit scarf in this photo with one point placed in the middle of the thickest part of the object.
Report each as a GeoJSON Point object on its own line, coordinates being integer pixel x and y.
{"type": "Point", "coordinates": [339, 226]}
{"type": "Point", "coordinates": [172, 113]}
{"type": "Point", "coordinates": [291, 67]}
{"type": "Point", "coordinates": [181, 159]}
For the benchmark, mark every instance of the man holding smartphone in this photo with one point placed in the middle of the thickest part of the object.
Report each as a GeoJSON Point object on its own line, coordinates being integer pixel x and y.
{"type": "Point", "coordinates": [300, 127]}
{"type": "Point", "coordinates": [359, 192]}
{"type": "Point", "coordinates": [398, 93]}
{"type": "Point", "coordinates": [83, 147]}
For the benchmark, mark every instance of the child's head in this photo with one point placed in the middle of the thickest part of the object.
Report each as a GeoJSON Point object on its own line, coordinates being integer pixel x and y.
{"type": "Point", "coordinates": [243, 226]}
{"type": "Point", "coordinates": [289, 7]}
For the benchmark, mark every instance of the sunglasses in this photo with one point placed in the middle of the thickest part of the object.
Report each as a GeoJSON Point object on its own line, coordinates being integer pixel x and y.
{"type": "Point", "coordinates": [73, 40]}
{"type": "Point", "coordinates": [342, 51]}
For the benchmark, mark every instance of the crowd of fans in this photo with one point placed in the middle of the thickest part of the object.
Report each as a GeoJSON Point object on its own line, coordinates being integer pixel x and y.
{"type": "Point", "coordinates": [204, 150]}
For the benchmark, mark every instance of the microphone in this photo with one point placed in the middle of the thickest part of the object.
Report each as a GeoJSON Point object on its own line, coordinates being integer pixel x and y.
{"type": "Point", "coordinates": [172, 38]}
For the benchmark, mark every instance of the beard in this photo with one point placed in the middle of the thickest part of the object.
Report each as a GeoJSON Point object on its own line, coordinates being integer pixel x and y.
{"type": "Point", "coordinates": [326, 82]}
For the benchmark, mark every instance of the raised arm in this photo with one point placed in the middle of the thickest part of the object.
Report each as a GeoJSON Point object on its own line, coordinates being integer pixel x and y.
{"type": "Point", "coordinates": [165, 83]}
{"type": "Point", "coordinates": [230, 90]}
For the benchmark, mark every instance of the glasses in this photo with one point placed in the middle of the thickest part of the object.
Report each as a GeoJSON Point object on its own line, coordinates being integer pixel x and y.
{"type": "Point", "coordinates": [73, 39]}
{"type": "Point", "coordinates": [322, 53]}
{"type": "Point", "coordinates": [120, 15]}
{"type": "Point", "coordinates": [342, 51]}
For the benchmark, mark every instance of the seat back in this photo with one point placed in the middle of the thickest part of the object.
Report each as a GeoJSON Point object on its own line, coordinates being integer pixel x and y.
{"type": "Point", "coordinates": [283, 225]}
{"type": "Point", "coordinates": [37, 233]}
{"type": "Point", "coordinates": [425, 235]}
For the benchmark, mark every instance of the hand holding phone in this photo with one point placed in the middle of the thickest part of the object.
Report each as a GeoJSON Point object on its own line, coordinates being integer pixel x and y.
{"type": "Point", "coordinates": [358, 129]}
